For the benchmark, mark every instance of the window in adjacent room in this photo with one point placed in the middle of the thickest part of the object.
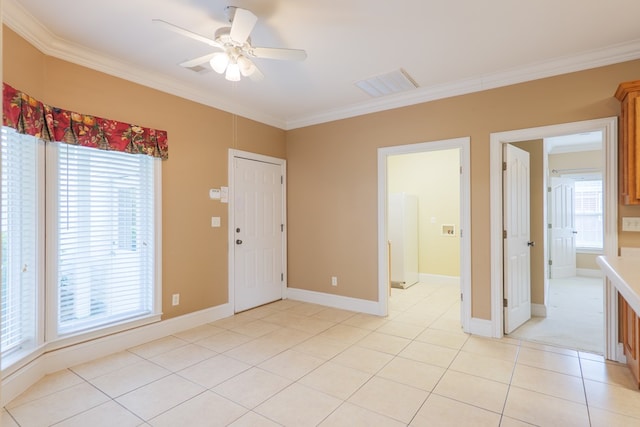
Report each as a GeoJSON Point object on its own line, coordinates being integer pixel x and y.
{"type": "Point", "coordinates": [589, 214]}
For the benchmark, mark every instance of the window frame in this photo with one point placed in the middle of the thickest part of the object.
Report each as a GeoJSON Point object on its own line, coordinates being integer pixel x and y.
{"type": "Point", "coordinates": [589, 177]}
{"type": "Point", "coordinates": [15, 357]}
{"type": "Point", "coordinates": [47, 338]}
{"type": "Point", "coordinates": [53, 338]}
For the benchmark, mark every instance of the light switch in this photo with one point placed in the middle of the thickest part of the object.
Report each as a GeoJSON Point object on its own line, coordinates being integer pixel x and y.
{"type": "Point", "coordinates": [224, 194]}
{"type": "Point", "coordinates": [630, 223]}
{"type": "Point", "coordinates": [215, 221]}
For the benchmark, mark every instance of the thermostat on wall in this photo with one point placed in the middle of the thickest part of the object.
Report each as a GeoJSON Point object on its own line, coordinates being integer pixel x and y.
{"type": "Point", "coordinates": [214, 194]}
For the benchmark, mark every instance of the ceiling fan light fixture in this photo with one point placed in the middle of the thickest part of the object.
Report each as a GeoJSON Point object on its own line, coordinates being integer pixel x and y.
{"type": "Point", "coordinates": [233, 72]}
{"type": "Point", "coordinates": [219, 62]}
{"type": "Point", "coordinates": [247, 67]}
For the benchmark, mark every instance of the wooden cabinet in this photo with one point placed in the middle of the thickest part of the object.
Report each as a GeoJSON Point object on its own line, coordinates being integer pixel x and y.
{"type": "Point", "coordinates": [629, 327]}
{"type": "Point", "coordinates": [628, 94]}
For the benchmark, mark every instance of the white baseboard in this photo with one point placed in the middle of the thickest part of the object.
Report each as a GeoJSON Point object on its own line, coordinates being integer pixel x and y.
{"type": "Point", "coordinates": [620, 357]}
{"type": "Point", "coordinates": [335, 301]}
{"type": "Point", "coordinates": [52, 361]}
{"type": "Point", "coordinates": [539, 310]}
{"type": "Point", "coordinates": [588, 272]}
{"type": "Point", "coordinates": [481, 327]}
{"type": "Point", "coordinates": [437, 278]}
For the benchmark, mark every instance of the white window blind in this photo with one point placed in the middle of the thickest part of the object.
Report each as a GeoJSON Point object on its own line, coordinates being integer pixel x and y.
{"type": "Point", "coordinates": [589, 214]}
{"type": "Point", "coordinates": [20, 230]}
{"type": "Point", "coordinates": [105, 237]}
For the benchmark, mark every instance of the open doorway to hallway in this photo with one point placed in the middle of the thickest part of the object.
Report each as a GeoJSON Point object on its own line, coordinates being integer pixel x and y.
{"type": "Point", "coordinates": [567, 296]}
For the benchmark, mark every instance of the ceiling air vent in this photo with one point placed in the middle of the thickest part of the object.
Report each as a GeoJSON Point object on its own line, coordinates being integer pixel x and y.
{"type": "Point", "coordinates": [199, 69]}
{"type": "Point", "coordinates": [387, 84]}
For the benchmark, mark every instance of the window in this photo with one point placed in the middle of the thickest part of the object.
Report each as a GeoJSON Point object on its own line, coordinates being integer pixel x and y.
{"type": "Point", "coordinates": [98, 266]}
{"type": "Point", "coordinates": [21, 235]}
{"type": "Point", "coordinates": [104, 213]}
{"type": "Point", "coordinates": [588, 214]}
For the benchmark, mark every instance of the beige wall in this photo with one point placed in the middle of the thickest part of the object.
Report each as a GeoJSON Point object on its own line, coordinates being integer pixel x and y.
{"type": "Point", "coordinates": [587, 261]}
{"type": "Point", "coordinates": [583, 159]}
{"type": "Point", "coordinates": [194, 255]}
{"type": "Point", "coordinates": [337, 234]}
{"type": "Point", "coordinates": [435, 178]}
{"type": "Point", "coordinates": [537, 229]}
{"type": "Point", "coordinates": [332, 168]}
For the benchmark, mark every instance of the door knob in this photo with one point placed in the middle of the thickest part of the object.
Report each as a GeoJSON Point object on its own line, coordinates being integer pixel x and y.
{"type": "Point", "coordinates": [238, 242]}
{"type": "Point", "coordinates": [531, 244]}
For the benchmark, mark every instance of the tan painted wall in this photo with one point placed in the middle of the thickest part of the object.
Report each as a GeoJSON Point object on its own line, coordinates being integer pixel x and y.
{"type": "Point", "coordinates": [435, 178]}
{"type": "Point", "coordinates": [332, 188]}
{"type": "Point", "coordinates": [194, 255]}
{"type": "Point", "coordinates": [333, 175]}
{"type": "Point", "coordinates": [583, 159]}
{"type": "Point", "coordinates": [587, 261]}
{"type": "Point", "coordinates": [537, 194]}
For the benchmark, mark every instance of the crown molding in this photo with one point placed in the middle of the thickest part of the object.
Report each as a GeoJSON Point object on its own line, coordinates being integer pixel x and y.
{"type": "Point", "coordinates": [23, 23]}
{"type": "Point", "coordinates": [609, 55]}
{"type": "Point", "coordinates": [29, 28]}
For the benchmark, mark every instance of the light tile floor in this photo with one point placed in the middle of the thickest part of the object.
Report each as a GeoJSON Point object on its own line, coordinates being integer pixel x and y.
{"type": "Point", "coordinates": [297, 364]}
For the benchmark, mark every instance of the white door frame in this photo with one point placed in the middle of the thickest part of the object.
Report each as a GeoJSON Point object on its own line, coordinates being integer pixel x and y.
{"type": "Point", "coordinates": [231, 214]}
{"type": "Point", "coordinates": [608, 127]}
{"type": "Point", "coordinates": [465, 219]}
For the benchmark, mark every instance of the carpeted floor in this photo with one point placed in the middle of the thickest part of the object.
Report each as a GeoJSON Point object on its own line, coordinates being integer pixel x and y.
{"type": "Point", "coordinates": [574, 316]}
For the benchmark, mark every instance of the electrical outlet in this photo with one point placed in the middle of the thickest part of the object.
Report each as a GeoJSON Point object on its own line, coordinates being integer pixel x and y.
{"type": "Point", "coordinates": [175, 299]}
{"type": "Point", "coordinates": [334, 281]}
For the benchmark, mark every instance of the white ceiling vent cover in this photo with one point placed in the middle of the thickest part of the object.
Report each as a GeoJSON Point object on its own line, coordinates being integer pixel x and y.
{"type": "Point", "coordinates": [387, 84]}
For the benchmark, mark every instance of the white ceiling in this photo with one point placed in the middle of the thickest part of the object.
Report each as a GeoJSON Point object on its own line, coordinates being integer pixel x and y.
{"type": "Point", "coordinates": [449, 47]}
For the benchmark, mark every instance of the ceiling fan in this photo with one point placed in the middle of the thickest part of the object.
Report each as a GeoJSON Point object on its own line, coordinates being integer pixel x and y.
{"type": "Point", "coordinates": [234, 59]}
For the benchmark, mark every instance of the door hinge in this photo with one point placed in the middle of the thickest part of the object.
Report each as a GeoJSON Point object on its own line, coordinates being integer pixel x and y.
{"type": "Point", "coordinates": [549, 226]}
{"type": "Point", "coordinates": [461, 233]}
{"type": "Point", "coordinates": [548, 189]}
{"type": "Point", "coordinates": [504, 166]}
{"type": "Point", "coordinates": [505, 303]}
{"type": "Point", "coordinates": [460, 170]}
{"type": "Point", "coordinates": [550, 262]}
{"type": "Point", "coordinates": [461, 296]}
{"type": "Point", "coordinates": [504, 234]}
{"type": "Point", "coordinates": [281, 227]}
{"type": "Point", "coordinates": [282, 277]}
{"type": "Point", "coordinates": [281, 179]}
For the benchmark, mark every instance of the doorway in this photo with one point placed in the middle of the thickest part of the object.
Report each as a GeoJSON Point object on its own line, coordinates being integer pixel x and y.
{"type": "Point", "coordinates": [608, 128]}
{"type": "Point", "coordinates": [386, 186]}
{"type": "Point", "coordinates": [566, 283]}
{"type": "Point", "coordinates": [257, 239]}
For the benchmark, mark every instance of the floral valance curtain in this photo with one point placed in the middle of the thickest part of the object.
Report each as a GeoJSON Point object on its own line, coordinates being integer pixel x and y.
{"type": "Point", "coordinates": [29, 116]}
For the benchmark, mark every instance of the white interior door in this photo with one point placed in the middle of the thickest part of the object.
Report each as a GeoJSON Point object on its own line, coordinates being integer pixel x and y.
{"type": "Point", "coordinates": [517, 261]}
{"type": "Point", "coordinates": [562, 237]}
{"type": "Point", "coordinates": [258, 225]}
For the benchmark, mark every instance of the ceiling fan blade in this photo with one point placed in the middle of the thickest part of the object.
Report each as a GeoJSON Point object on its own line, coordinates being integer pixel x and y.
{"type": "Point", "coordinates": [242, 24]}
{"type": "Point", "coordinates": [277, 53]}
{"type": "Point", "coordinates": [257, 75]}
{"type": "Point", "coordinates": [197, 61]}
{"type": "Point", "coordinates": [171, 27]}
